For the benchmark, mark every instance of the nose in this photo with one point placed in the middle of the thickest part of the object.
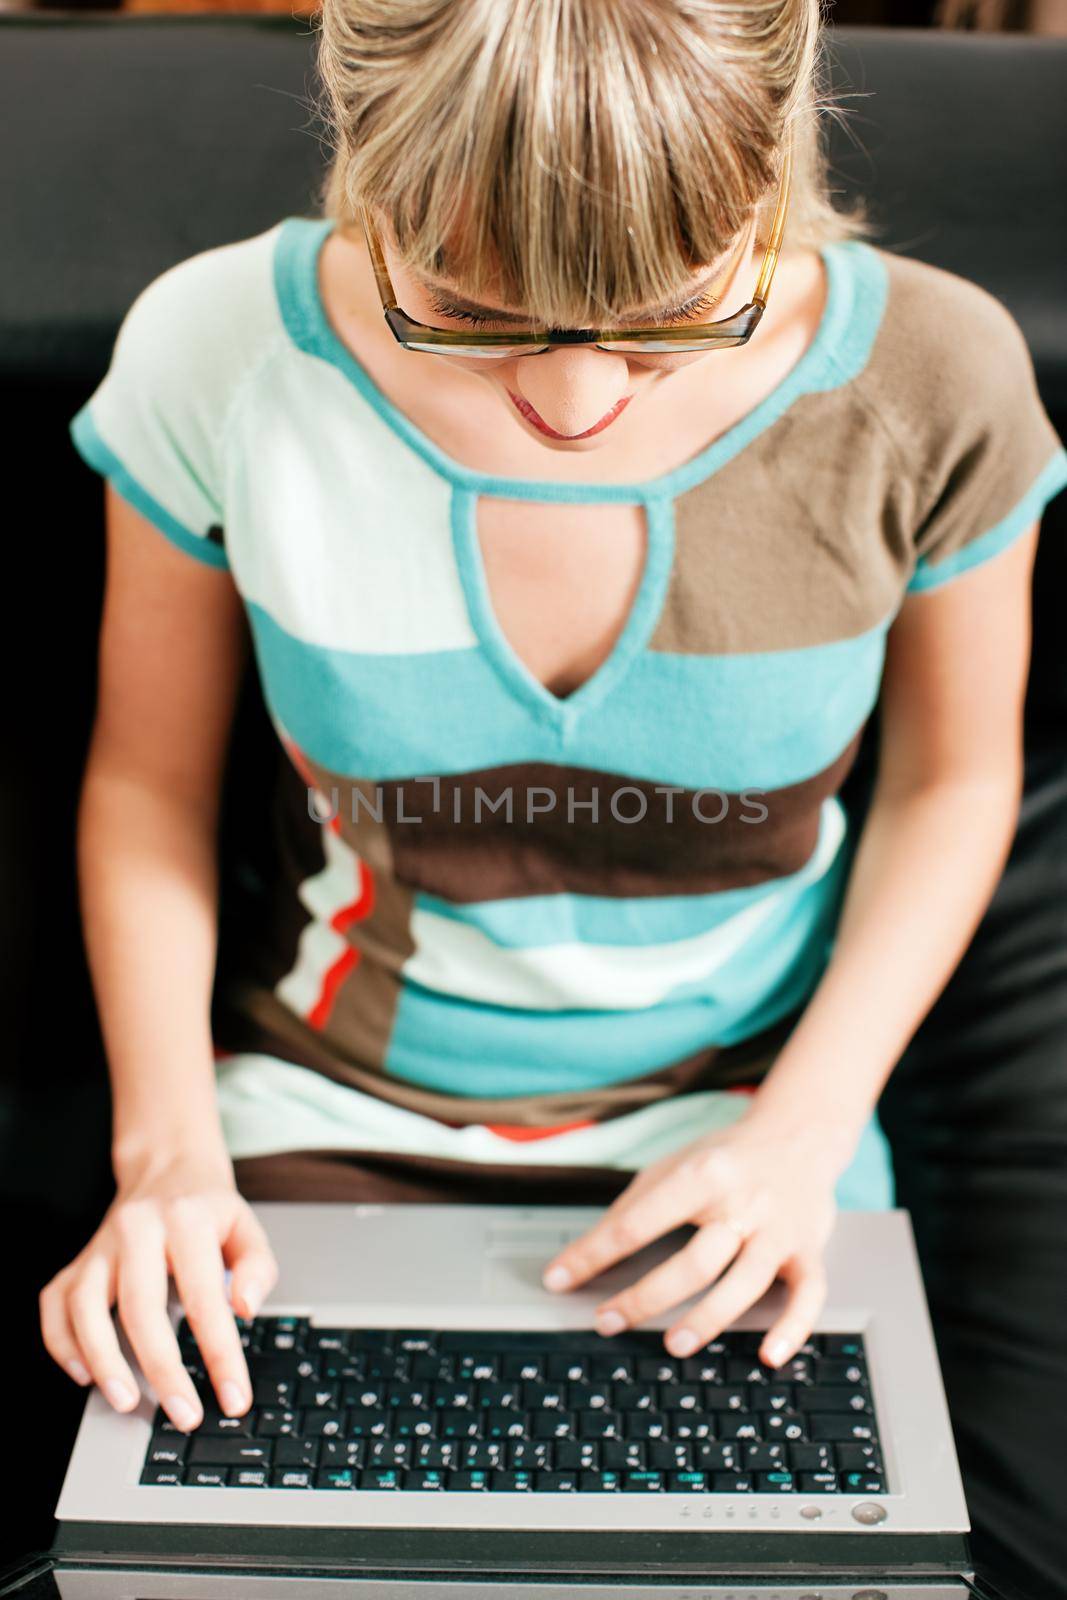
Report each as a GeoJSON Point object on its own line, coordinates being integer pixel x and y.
{"type": "Point", "coordinates": [572, 387]}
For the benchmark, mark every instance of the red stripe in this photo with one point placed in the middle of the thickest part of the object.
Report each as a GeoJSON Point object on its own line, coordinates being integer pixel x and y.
{"type": "Point", "coordinates": [520, 1135]}
{"type": "Point", "coordinates": [332, 980]}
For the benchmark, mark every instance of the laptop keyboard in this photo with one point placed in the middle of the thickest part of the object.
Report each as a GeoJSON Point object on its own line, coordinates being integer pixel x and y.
{"type": "Point", "coordinates": [560, 1412]}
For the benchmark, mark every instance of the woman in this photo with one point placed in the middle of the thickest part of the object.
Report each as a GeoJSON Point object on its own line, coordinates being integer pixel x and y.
{"type": "Point", "coordinates": [569, 644]}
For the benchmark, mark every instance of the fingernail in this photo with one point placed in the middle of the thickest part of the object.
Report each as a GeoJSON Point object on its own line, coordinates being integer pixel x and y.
{"type": "Point", "coordinates": [253, 1294]}
{"type": "Point", "coordinates": [233, 1398]}
{"type": "Point", "coordinates": [776, 1353]}
{"type": "Point", "coordinates": [180, 1412]}
{"type": "Point", "coordinates": [119, 1394]}
{"type": "Point", "coordinates": [557, 1278]}
{"type": "Point", "coordinates": [682, 1342]}
{"type": "Point", "coordinates": [609, 1322]}
{"type": "Point", "coordinates": [79, 1373]}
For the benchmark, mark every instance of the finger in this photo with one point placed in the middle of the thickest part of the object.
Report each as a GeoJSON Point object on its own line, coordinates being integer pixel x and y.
{"type": "Point", "coordinates": [751, 1276]}
{"type": "Point", "coordinates": [142, 1300]}
{"type": "Point", "coordinates": [686, 1273]}
{"type": "Point", "coordinates": [89, 1307]}
{"type": "Point", "coordinates": [633, 1221]}
{"type": "Point", "coordinates": [251, 1261]}
{"type": "Point", "coordinates": [196, 1262]}
{"type": "Point", "coordinates": [57, 1333]}
{"type": "Point", "coordinates": [806, 1297]}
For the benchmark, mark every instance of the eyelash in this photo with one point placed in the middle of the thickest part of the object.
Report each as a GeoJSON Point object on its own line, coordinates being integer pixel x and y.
{"type": "Point", "coordinates": [444, 308]}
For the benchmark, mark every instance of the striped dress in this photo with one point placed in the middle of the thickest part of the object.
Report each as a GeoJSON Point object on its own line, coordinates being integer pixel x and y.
{"type": "Point", "coordinates": [507, 927]}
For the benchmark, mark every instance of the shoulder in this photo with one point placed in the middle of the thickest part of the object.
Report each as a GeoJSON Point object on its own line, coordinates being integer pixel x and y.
{"type": "Point", "coordinates": [201, 326]}
{"type": "Point", "coordinates": [948, 358]}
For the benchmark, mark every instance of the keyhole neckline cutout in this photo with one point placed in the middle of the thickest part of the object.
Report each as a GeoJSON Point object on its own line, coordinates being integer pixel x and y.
{"type": "Point", "coordinates": [640, 623]}
{"type": "Point", "coordinates": [855, 297]}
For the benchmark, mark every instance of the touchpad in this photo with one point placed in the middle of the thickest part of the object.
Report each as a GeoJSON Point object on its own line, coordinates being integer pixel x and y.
{"type": "Point", "coordinates": [516, 1254]}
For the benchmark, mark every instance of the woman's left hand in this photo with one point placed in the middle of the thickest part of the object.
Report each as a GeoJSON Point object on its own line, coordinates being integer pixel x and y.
{"type": "Point", "coordinates": [761, 1199]}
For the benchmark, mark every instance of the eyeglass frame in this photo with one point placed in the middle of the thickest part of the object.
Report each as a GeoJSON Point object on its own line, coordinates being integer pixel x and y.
{"type": "Point", "coordinates": [726, 333]}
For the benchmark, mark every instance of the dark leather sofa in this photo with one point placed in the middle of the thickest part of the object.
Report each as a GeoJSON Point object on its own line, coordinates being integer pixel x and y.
{"type": "Point", "coordinates": [127, 144]}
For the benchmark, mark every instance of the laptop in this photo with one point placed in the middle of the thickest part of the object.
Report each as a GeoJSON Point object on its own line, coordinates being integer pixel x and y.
{"type": "Point", "coordinates": [425, 1410]}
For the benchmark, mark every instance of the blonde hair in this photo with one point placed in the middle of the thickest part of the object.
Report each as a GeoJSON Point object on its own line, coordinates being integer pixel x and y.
{"type": "Point", "coordinates": [590, 154]}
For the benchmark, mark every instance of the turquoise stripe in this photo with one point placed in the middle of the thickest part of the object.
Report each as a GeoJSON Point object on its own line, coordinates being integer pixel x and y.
{"type": "Point", "coordinates": [1049, 482]}
{"type": "Point", "coordinates": [857, 283]}
{"type": "Point", "coordinates": [457, 1046]}
{"type": "Point", "coordinates": [98, 455]}
{"type": "Point", "coordinates": [535, 921]}
{"type": "Point", "coordinates": [738, 722]}
{"type": "Point", "coordinates": [867, 1183]}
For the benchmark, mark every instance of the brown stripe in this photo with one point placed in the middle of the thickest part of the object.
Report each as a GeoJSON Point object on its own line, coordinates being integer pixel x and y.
{"type": "Point", "coordinates": [553, 845]}
{"type": "Point", "coordinates": [266, 1027]}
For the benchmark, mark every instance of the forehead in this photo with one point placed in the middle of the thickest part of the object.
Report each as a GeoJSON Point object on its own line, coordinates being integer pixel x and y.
{"type": "Point", "coordinates": [479, 291]}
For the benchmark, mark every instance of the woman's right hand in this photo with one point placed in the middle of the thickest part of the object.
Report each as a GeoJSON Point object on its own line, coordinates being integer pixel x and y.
{"type": "Point", "coordinates": [182, 1221]}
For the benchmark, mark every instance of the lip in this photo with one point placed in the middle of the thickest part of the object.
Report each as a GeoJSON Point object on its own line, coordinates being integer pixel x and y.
{"type": "Point", "coordinates": [527, 410]}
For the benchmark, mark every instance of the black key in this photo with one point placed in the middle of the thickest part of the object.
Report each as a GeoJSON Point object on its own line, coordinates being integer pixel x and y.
{"type": "Point", "coordinates": [689, 1425]}
{"type": "Point", "coordinates": [590, 1396]}
{"type": "Point", "coordinates": [716, 1457]}
{"type": "Point", "coordinates": [499, 1423]}
{"type": "Point", "coordinates": [529, 1454]}
{"type": "Point", "coordinates": [414, 1424]}
{"type": "Point", "coordinates": [600, 1425]}
{"type": "Point", "coordinates": [836, 1427]}
{"type": "Point", "coordinates": [839, 1371]}
{"type": "Point", "coordinates": [468, 1480]}
{"type": "Point", "coordinates": [206, 1477]}
{"type": "Point", "coordinates": [636, 1396]}
{"type": "Point", "coordinates": [389, 1452]}
{"type": "Point", "coordinates": [703, 1369]}
{"type": "Point", "coordinates": [687, 1483]}
{"type": "Point", "coordinates": [833, 1398]}
{"type": "Point", "coordinates": [666, 1456]}
{"type": "Point", "coordinates": [862, 1483]}
{"type": "Point", "coordinates": [336, 1478]}
{"type": "Point", "coordinates": [657, 1369]}
{"type": "Point", "coordinates": [763, 1457]}
{"type": "Point", "coordinates": [528, 1368]}
{"type": "Point", "coordinates": [323, 1424]}
{"type": "Point", "coordinates": [317, 1395]}
{"type": "Point", "coordinates": [725, 1397]}
{"type": "Point", "coordinates": [215, 1422]}
{"type": "Point", "coordinates": [542, 1395]}
{"type": "Point", "coordinates": [681, 1397]}
{"type": "Point", "coordinates": [380, 1478]}
{"type": "Point", "coordinates": [498, 1394]}
{"type": "Point", "coordinates": [773, 1397]}
{"type": "Point", "coordinates": [230, 1452]}
{"type": "Point", "coordinates": [577, 1454]}
{"type": "Point", "coordinates": [511, 1482]}
{"type": "Point", "coordinates": [369, 1339]}
{"type": "Point", "coordinates": [290, 1452]}
{"type": "Point", "coordinates": [336, 1453]}
{"type": "Point", "coordinates": [437, 1453]}
{"type": "Point", "coordinates": [812, 1457]}
{"type": "Point", "coordinates": [248, 1478]}
{"type": "Point", "coordinates": [368, 1423]}
{"type": "Point", "coordinates": [790, 1425]}
{"type": "Point", "coordinates": [571, 1368]}
{"type": "Point", "coordinates": [738, 1425]}
{"type": "Point", "coordinates": [424, 1478]}
{"type": "Point", "coordinates": [598, 1482]}
{"type": "Point", "coordinates": [731, 1483]}
{"type": "Point", "coordinates": [167, 1449]}
{"type": "Point", "coordinates": [459, 1425]}
{"type": "Point", "coordinates": [363, 1396]}
{"type": "Point", "coordinates": [645, 1425]}
{"type": "Point", "coordinates": [857, 1457]}
{"type": "Point", "coordinates": [271, 1424]}
{"type": "Point", "coordinates": [618, 1455]}
{"type": "Point", "coordinates": [273, 1392]}
{"type": "Point", "coordinates": [292, 1478]}
{"type": "Point", "coordinates": [841, 1344]}
{"type": "Point", "coordinates": [553, 1425]}
{"type": "Point", "coordinates": [453, 1395]}
{"type": "Point", "coordinates": [161, 1472]}
{"type": "Point", "coordinates": [415, 1341]}
{"type": "Point", "coordinates": [775, 1483]}
{"type": "Point", "coordinates": [817, 1482]}
{"type": "Point", "coordinates": [482, 1454]}
{"type": "Point", "coordinates": [612, 1369]}
{"type": "Point", "coordinates": [738, 1370]}
{"type": "Point", "coordinates": [333, 1339]}
{"type": "Point", "coordinates": [556, 1482]}
{"type": "Point", "coordinates": [642, 1482]}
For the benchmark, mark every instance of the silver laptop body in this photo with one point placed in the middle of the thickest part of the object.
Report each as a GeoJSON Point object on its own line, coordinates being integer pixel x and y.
{"type": "Point", "coordinates": [478, 1267]}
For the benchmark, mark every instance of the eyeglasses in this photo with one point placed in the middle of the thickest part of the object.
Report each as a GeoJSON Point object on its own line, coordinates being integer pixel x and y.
{"type": "Point", "coordinates": [725, 334]}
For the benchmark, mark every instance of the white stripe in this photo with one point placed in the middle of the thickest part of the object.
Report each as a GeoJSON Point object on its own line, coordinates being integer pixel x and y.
{"type": "Point", "coordinates": [320, 946]}
{"type": "Point", "coordinates": [457, 959]}
{"type": "Point", "coordinates": [347, 541]}
{"type": "Point", "coordinates": [270, 1106]}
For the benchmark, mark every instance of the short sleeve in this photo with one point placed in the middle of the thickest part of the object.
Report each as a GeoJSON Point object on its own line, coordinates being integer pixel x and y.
{"type": "Point", "coordinates": [150, 427]}
{"type": "Point", "coordinates": [997, 459]}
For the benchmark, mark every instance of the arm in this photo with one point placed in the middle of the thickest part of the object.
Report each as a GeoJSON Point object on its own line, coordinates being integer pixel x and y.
{"type": "Point", "coordinates": [933, 846]}
{"type": "Point", "coordinates": [172, 649]}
